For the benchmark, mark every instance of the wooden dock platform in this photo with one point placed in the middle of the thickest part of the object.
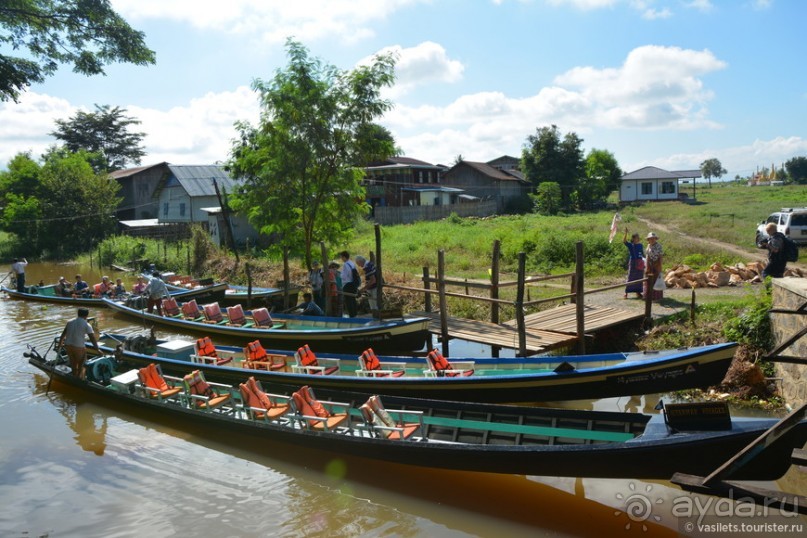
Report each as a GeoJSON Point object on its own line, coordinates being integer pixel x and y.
{"type": "Point", "coordinates": [546, 330]}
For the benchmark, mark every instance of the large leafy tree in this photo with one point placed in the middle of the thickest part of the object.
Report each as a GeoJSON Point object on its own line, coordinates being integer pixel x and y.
{"type": "Point", "coordinates": [104, 133]}
{"type": "Point", "coordinates": [601, 176]}
{"type": "Point", "coordinates": [298, 165]}
{"type": "Point", "coordinates": [797, 169]}
{"type": "Point", "coordinates": [60, 207]}
{"type": "Point", "coordinates": [547, 157]}
{"type": "Point", "coordinates": [85, 33]}
{"type": "Point", "coordinates": [712, 168]}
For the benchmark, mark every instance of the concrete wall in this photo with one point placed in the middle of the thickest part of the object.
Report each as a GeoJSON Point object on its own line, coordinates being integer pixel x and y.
{"type": "Point", "coordinates": [791, 293]}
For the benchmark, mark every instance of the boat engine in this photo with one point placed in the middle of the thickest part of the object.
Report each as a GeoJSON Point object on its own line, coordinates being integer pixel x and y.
{"type": "Point", "coordinates": [100, 369]}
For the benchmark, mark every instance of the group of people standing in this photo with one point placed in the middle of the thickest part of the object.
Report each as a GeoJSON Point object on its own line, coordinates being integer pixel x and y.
{"type": "Point", "coordinates": [643, 263]}
{"type": "Point", "coordinates": [344, 284]}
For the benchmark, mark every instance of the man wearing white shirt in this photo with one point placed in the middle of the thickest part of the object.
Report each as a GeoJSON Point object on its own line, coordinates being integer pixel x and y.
{"type": "Point", "coordinates": [18, 267]}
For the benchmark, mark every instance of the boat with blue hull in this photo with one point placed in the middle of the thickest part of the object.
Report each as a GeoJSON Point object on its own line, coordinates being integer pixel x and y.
{"type": "Point", "coordinates": [503, 380]}
{"type": "Point", "coordinates": [439, 434]}
{"type": "Point", "coordinates": [48, 294]}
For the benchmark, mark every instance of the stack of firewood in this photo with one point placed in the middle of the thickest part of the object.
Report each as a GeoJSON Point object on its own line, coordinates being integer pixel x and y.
{"type": "Point", "coordinates": [683, 276]}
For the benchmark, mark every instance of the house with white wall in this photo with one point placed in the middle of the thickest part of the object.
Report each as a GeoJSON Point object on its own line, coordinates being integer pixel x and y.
{"type": "Point", "coordinates": [653, 184]}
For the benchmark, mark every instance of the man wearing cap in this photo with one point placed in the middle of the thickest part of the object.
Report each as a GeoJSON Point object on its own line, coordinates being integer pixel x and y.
{"type": "Point", "coordinates": [72, 339]}
{"type": "Point", "coordinates": [63, 287]}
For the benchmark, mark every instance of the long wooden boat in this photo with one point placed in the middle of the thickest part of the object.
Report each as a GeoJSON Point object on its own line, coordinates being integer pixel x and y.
{"type": "Point", "coordinates": [455, 435]}
{"type": "Point", "coordinates": [502, 380]}
{"type": "Point", "coordinates": [48, 294]}
{"type": "Point", "coordinates": [232, 293]}
{"type": "Point", "coordinates": [289, 331]}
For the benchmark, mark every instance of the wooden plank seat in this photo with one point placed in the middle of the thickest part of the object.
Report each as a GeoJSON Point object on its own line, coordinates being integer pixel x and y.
{"type": "Point", "coordinates": [153, 384]}
{"type": "Point", "coordinates": [439, 366]}
{"type": "Point", "coordinates": [389, 423]}
{"type": "Point", "coordinates": [206, 353]}
{"type": "Point", "coordinates": [371, 366]}
{"type": "Point", "coordinates": [260, 405]}
{"type": "Point", "coordinates": [171, 308]}
{"type": "Point", "coordinates": [190, 311]}
{"type": "Point", "coordinates": [206, 395]}
{"type": "Point", "coordinates": [236, 316]}
{"type": "Point", "coordinates": [262, 318]}
{"type": "Point", "coordinates": [256, 358]}
{"type": "Point", "coordinates": [306, 362]}
{"type": "Point", "coordinates": [314, 414]}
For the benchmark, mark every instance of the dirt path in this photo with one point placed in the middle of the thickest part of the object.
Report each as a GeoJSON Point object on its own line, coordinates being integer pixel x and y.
{"type": "Point", "coordinates": [752, 253]}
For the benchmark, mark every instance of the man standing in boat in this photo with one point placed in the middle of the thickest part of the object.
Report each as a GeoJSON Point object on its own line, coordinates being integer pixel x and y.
{"type": "Point", "coordinates": [18, 268]}
{"type": "Point", "coordinates": [72, 340]}
{"type": "Point", "coordinates": [155, 291]}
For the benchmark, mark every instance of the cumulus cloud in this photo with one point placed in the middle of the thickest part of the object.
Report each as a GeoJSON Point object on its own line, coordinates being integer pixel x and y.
{"type": "Point", "coordinates": [24, 126]}
{"type": "Point", "coordinates": [271, 21]}
{"type": "Point", "coordinates": [426, 63]}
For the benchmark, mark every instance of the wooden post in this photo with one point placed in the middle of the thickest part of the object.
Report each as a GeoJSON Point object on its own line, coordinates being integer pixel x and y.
{"type": "Point", "coordinates": [285, 279]}
{"type": "Point", "coordinates": [327, 282]}
{"type": "Point", "coordinates": [441, 289]}
{"type": "Point", "coordinates": [248, 271]}
{"type": "Point", "coordinates": [494, 281]}
{"type": "Point", "coordinates": [692, 309]}
{"type": "Point", "coordinates": [648, 297]}
{"type": "Point", "coordinates": [427, 300]}
{"type": "Point", "coordinates": [519, 304]}
{"type": "Point", "coordinates": [580, 299]}
{"type": "Point", "coordinates": [379, 281]}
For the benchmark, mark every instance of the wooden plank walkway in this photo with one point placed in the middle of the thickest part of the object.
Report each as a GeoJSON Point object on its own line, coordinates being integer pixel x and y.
{"type": "Point", "coordinates": [545, 330]}
{"type": "Point", "coordinates": [563, 319]}
{"type": "Point", "coordinates": [485, 332]}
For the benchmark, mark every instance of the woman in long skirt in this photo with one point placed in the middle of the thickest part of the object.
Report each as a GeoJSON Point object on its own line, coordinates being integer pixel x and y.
{"type": "Point", "coordinates": [635, 264]}
{"type": "Point", "coordinates": [653, 269]}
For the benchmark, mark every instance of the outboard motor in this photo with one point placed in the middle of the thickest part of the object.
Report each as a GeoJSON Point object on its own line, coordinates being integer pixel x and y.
{"type": "Point", "coordinates": [101, 369]}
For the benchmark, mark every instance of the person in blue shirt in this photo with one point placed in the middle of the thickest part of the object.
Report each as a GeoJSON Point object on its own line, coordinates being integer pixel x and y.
{"type": "Point", "coordinates": [81, 287]}
{"type": "Point", "coordinates": [308, 307]}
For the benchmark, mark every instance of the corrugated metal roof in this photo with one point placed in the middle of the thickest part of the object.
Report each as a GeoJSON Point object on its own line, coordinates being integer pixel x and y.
{"type": "Point", "coordinates": [652, 172]}
{"type": "Point", "coordinates": [494, 173]}
{"type": "Point", "coordinates": [198, 180]}
{"type": "Point", "coordinates": [132, 171]}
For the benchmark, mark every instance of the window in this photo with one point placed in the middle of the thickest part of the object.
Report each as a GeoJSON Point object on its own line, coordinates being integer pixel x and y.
{"type": "Point", "coordinates": [420, 176]}
{"type": "Point", "coordinates": [182, 209]}
{"type": "Point", "coordinates": [165, 209]}
{"type": "Point", "coordinates": [667, 187]}
{"type": "Point", "coordinates": [647, 188]}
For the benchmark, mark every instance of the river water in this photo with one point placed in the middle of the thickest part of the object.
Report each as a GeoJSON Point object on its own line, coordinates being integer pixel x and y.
{"type": "Point", "coordinates": [72, 467]}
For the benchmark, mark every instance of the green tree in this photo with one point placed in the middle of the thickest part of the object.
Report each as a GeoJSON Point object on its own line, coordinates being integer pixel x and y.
{"type": "Point", "coordinates": [374, 143]}
{"type": "Point", "coordinates": [797, 169]}
{"type": "Point", "coordinates": [69, 209]}
{"type": "Point", "coordinates": [88, 34]}
{"type": "Point", "coordinates": [105, 133]}
{"type": "Point", "coordinates": [546, 157]}
{"type": "Point", "coordinates": [712, 168]}
{"type": "Point", "coordinates": [601, 176]}
{"type": "Point", "coordinates": [298, 169]}
{"type": "Point", "coordinates": [548, 198]}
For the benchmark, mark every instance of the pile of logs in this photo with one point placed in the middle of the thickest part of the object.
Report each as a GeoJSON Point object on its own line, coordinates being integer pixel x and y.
{"type": "Point", "coordinates": [682, 276]}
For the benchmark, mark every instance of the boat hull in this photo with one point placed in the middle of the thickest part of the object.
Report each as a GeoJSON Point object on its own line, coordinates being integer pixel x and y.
{"type": "Point", "coordinates": [196, 293]}
{"type": "Point", "coordinates": [351, 335]}
{"type": "Point", "coordinates": [682, 369]}
{"type": "Point", "coordinates": [655, 454]}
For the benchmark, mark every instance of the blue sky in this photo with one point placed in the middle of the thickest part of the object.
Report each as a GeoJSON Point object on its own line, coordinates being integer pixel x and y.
{"type": "Point", "coordinates": [667, 83]}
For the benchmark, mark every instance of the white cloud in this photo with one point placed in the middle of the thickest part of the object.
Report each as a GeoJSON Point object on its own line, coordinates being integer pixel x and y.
{"type": "Point", "coordinates": [270, 21]}
{"type": "Point", "coordinates": [426, 63]}
{"type": "Point", "coordinates": [24, 126]}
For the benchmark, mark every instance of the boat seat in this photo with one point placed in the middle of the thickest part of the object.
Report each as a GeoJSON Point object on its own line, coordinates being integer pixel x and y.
{"type": "Point", "coordinates": [390, 423]}
{"type": "Point", "coordinates": [171, 308]}
{"type": "Point", "coordinates": [213, 314]}
{"type": "Point", "coordinates": [235, 315]}
{"type": "Point", "coordinates": [206, 353]}
{"type": "Point", "coordinates": [311, 413]}
{"type": "Point", "coordinates": [190, 311]}
{"type": "Point", "coordinates": [439, 366]}
{"type": "Point", "coordinates": [306, 362]}
{"type": "Point", "coordinates": [260, 405]}
{"type": "Point", "coordinates": [370, 366]}
{"type": "Point", "coordinates": [256, 358]}
{"type": "Point", "coordinates": [202, 394]}
{"type": "Point", "coordinates": [154, 385]}
{"type": "Point", "coordinates": [262, 318]}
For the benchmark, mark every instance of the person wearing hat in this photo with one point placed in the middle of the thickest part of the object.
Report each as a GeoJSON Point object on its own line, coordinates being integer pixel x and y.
{"type": "Point", "coordinates": [315, 278]}
{"type": "Point", "coordinates": [654, 254]}
{"type": "Point", "coordinates": [63, 287]}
